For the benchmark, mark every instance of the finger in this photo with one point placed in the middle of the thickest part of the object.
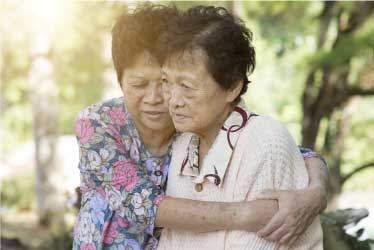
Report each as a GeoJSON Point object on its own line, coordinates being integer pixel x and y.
{"type": "Point", "coordinates": [273, 224]}
{"type": "Point", "coordinates": [286, 239]}
{"type": "Point", "coordinates": [278, 234]}
{"type": "Point", "coordinates": [301, 227]}
{"type": "Point", "coordinates": [268, 194]}
{"type": "Point", "coordinates": [302, 224]}
{"type": "Point", "coordinates": [293, 240]}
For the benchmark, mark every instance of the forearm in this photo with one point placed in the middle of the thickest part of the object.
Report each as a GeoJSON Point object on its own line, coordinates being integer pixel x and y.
{"type": "Point", "coordinates": [318, 173]}
{"type": "Point", "coordinates": [317, 168]}
{"type": "Point", "coordinates": [203, 216]}
{"type": "Point", "coordinates": [318, 180]}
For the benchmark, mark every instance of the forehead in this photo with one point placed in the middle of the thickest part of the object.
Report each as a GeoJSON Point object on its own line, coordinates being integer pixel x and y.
{"type": "Point", "coordinates": [189, 60]}
{"type": "Point", "coordinates": [144, 59]}
{"type": "Point", "coordinates": [144, 63]}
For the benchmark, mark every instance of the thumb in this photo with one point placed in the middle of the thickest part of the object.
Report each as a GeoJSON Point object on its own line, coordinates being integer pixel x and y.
{"type": "Point", "coordinates": [268, 194]}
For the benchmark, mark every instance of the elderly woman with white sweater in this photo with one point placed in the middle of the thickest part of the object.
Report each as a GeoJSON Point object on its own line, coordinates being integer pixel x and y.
{"type": "Point", "coordinates": [226, 152]}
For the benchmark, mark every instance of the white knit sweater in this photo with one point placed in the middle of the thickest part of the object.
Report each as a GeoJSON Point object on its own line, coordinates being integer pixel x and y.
{"type": "Point", "coordinates": [265, 157]}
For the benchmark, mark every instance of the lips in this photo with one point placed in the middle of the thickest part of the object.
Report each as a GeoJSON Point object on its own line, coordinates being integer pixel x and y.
{"type": "Point", "coordinates": [154, 114]}
{"type": "Point", "coordinates": [177, 117]}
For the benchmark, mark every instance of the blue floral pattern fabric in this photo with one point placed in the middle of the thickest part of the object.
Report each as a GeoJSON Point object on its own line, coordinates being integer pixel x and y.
{"type": "Point", "coordinates": [308, 153]}
{"type": "Point", "coordinates": [122, 183]}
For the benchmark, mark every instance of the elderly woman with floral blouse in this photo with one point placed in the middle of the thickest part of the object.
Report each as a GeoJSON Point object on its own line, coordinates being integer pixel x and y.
{"type": "Point", "coordinates": [125, 152]}
{"type": "Point", "coordinates": [227, 153]}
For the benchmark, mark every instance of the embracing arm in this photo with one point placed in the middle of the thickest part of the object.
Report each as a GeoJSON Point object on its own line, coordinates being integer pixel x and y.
{"type": "Point", "coordinates": [252, 216]}
{"type": "Point", "coordinates": [204, 216]}
{"type": "Point", "coordinates": [318, 180]}
{"type": "Point", "coordinates": [109, 174]}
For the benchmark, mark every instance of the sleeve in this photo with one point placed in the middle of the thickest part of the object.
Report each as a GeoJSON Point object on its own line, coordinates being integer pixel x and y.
{"type": "Point", "coordinates": [308, 153]}
{"type": "Point", "coordinates": [283, 165]}
{"type": "Point", "coordinates": [286, 170]}
{"type": "Point", "coordinates": [271, 160]}
{"type": "Point", "coordinates": [109, 172]}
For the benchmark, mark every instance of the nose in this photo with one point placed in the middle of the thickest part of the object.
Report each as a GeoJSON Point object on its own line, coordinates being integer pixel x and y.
{"type": "Point", "coordinates": [153, 94]}
{"type": "Point", "coordinates": [176, 97]}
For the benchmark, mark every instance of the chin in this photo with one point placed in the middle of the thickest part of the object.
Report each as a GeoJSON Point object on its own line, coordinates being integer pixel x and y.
{"type": "Point", "coordinates": [159, 125]}
{"type": "Point", "coordinates": [182, 128]}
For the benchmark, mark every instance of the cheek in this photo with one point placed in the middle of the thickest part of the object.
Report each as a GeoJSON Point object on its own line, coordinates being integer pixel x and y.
{"type": "Point", "coordinates": [205, 111]}
{"type": "Point", "coordinates": [132, 94]}
{"type": "Point", "coordinates": [193, 100]}
{"type": "Point", "coordinates": [132, 99]}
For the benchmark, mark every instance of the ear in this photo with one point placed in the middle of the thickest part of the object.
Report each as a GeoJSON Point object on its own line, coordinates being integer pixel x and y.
{"type": "Point", "coordinates": [234, 91]}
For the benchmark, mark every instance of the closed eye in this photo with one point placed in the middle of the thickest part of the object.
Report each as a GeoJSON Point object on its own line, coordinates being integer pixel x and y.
{"type": "Point", "coordinates": [185, 86]}
{"type": "Point", "coordinates": [138, 84]}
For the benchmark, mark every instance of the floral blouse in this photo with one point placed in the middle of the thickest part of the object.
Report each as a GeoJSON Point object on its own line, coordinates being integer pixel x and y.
{"type": "Point", "coordinates": [122, 183]}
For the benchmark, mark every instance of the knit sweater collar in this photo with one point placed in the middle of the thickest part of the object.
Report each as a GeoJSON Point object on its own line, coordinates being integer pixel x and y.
{"type": "Point", "coordinates": [215, 163]}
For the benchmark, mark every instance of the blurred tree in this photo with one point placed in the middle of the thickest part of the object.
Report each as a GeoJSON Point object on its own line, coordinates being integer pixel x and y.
{"type": "Point", "coordinates": [44, 93]}
{"type": "Point", "coordinates": [329, 88]}
{"type": "Point", "coordinates": [338, 37]}
{"type": "Point", "coordinates": [53, 65]}
{"type": "Point", "coordinates": [76, 53]}
{"type": "Point", "coordinates": [332, 88]}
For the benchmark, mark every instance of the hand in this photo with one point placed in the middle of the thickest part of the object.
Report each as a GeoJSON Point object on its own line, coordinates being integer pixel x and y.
{"type": "Point", "coordinates": [297, 210]}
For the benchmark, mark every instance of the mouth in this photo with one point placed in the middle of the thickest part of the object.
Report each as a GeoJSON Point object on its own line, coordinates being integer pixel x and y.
{"type": "Point", "coordinates": [154, 114]}
{"type": "Point", "coordinates": [179, 117]}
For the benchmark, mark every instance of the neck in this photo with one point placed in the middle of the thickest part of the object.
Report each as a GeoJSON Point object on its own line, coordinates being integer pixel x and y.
{"type": "Point", "coordinates": [208, 137]}
{"type": "Point", "coordinates": [156, 141]}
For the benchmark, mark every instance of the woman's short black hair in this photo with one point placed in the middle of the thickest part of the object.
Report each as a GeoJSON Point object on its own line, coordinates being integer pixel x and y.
{"type": "Point", "coordinates": [139, 30]}
{"type": "Point", "coordinates": [224, 39]}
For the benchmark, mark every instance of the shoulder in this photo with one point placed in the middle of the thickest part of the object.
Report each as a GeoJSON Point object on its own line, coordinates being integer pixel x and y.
{"type": "Point", "coordinates": [268, 143]}
{"type": "Point", "coordinates": [101, 118]}
{"type": "Point", "coordinates": [96, 110]}
{"type": "Point", "coordinates": [267, 134]}
{"type": "Point", "coordinates": [265, 127]}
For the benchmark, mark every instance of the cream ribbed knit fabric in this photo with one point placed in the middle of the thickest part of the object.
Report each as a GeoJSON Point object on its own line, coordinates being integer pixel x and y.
{"type": "Point", "coordinates": [265, 157]}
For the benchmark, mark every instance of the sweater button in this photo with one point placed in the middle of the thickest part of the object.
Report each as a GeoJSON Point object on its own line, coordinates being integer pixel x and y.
{"type": "Point", "coordinates": [198, 187]}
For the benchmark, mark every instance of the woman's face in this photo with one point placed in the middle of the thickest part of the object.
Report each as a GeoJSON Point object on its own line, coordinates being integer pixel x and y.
{"type": "Point", "coordinates": [196, 102]}
{"type": "Point", "coordinates": [142, 89]}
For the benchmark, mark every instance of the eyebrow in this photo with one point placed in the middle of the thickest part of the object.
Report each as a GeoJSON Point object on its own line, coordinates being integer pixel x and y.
{"type": "Point", "coordinates": [187, 77]}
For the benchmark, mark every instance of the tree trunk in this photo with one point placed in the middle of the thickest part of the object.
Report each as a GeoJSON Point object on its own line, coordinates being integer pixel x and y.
{"type": "Point", "coordinates": [337, 132]}
{"type": "Point", "coordinates": [44, 98]}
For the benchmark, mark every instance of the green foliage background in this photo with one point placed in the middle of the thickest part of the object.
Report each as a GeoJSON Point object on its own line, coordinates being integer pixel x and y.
{"type": "Point", "coordinates": [284, 37]}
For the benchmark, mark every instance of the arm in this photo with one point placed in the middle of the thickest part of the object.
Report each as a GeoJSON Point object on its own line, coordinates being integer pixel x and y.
{"type": "Point", "coordinates": [204, 216]}
{"type": "Point", "coordinates": [294, 217]}
{"type": "Point", "coordinates": [318, 173]}
{"type": "Point", "coordinates": [318, 181]}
